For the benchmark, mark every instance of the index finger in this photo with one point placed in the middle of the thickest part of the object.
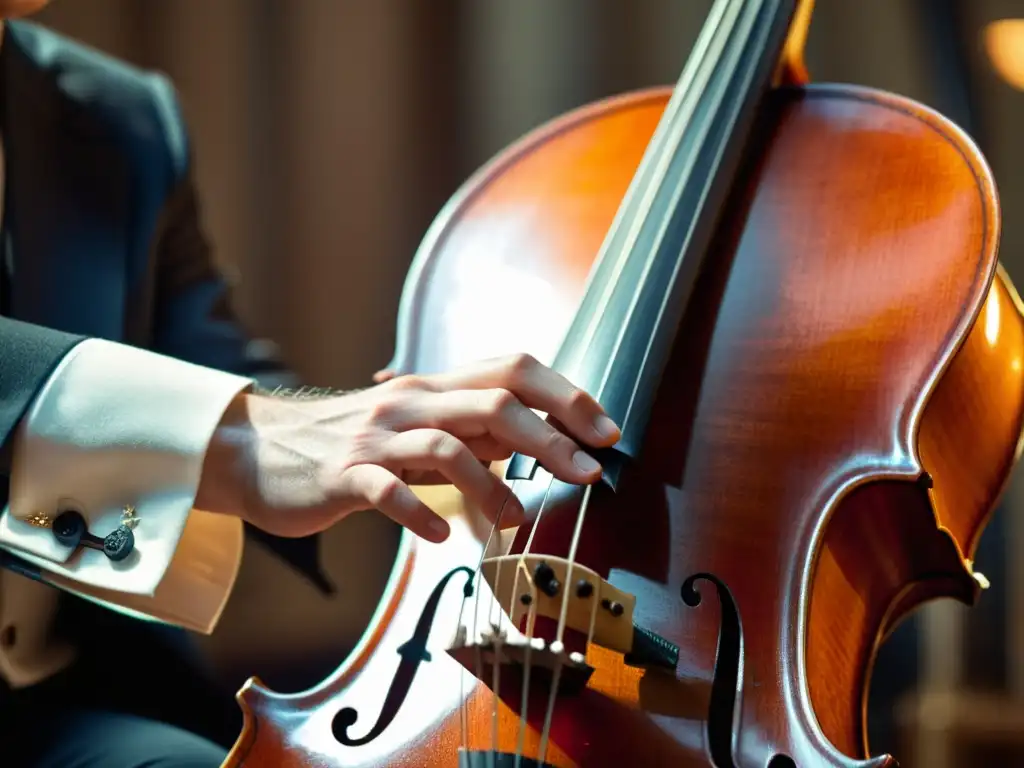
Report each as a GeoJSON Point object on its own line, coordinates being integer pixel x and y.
{"type": "Point", "coordinates": [538, 387]}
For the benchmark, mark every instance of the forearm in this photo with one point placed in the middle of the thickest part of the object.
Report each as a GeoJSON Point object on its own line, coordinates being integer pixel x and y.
{"type": "Point", "coordinates": [224, 484]}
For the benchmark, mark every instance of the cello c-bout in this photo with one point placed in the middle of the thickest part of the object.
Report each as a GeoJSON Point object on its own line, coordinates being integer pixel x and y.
{"type": "Point", "coordinates": [789, 296]}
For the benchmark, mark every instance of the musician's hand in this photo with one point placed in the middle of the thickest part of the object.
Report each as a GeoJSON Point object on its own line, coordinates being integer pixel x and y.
{"type": "Point", "coordinates": [295, 467]}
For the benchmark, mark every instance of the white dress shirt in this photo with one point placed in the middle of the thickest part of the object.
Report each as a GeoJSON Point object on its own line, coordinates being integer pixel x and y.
{"type": "Point", "coordinates": [116, 426]}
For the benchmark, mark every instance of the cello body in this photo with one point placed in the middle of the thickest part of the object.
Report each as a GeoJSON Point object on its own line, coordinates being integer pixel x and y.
{"type": "Point", "coordinates": [841, 410]}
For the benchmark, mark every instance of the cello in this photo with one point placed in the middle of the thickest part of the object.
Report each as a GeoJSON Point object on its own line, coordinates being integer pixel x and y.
{"type": "Point", "coordinates": [788, 297]}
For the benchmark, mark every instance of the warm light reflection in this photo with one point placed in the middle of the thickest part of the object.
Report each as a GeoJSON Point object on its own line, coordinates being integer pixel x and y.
{"type": "Point", "coordinates": [482, 285]}
{"type": "Point", "coordinates": [1004, 43]}
{"type": "Point", "coordinates": [992, 318]}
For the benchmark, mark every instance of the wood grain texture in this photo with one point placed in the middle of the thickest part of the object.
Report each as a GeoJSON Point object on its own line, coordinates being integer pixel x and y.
{"type": "Point", "coordinates": [847, 342]}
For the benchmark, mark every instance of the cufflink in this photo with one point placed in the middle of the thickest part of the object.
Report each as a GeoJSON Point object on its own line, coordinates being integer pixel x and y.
{"type": "Point", "coordinates": [128, 517]}
{"type": "Point", "coordinates": [70, 530]}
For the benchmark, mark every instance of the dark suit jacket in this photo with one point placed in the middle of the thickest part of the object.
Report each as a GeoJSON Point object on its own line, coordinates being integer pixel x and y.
{"type": "Point", "coordinates": [101, 220]}
{"type": "Point", "coordinates": [103, 233]}
{"type": "Point", "coordinates": [103, 230]}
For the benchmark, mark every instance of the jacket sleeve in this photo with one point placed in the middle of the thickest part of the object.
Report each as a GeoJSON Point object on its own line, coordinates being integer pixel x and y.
{"type": "Point", "coordinates": [194, 318]}
{"type": "Point", "coordinates": [28, 355]}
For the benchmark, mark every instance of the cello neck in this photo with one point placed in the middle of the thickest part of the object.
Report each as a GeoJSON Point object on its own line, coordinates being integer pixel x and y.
{"type": "Point", "coordinates": [618, 343]}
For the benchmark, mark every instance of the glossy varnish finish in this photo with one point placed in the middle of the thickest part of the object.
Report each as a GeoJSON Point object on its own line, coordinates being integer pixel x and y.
{"type": "Point", "coordinates": [847, 343]}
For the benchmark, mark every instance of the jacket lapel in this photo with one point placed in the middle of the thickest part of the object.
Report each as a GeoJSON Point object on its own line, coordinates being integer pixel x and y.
{"type": "Point", "coordinates": [66, 199]}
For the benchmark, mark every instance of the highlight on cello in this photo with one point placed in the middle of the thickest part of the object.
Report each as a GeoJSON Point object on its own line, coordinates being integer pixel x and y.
{"type": "Point", "coordinates": [783, 292]}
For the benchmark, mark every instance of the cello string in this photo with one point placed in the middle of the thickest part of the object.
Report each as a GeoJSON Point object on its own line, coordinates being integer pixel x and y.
{"type": "Point", "coordinates": [496, 601]}
{"type": "Point", "coordinates": [658, 166]}
{"type": "Point", "coordinates": [521, 563]}
{"type": "Point", "coordinates": [673, 131]}
{"type": "Point", "coordinates": [542, 750]}
{"type": "Point", "coordinates": [495, 526]}
{"type": "Point", "coordinates": [563, 614]}
{"type": "Point", "coordinates": [576, 537]}
{"type": "Point", "coordinates": [497, 638]}
{"type": "Point", "coordinates": [525, 702]}
{"type": "Point", "coordinates": [531, 617]}
{"type": "Point", "coordinates": [655, 164]}
{"type": "Point", "coordinates": [715, 38]}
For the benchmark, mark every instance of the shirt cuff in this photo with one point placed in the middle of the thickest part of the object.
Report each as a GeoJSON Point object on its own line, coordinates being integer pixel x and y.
{"type": "Point", "coordinates": [113, 427]}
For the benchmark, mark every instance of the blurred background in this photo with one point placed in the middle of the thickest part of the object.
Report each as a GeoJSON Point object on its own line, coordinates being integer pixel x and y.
{"type": "Point", "coordinates": [328, 134]}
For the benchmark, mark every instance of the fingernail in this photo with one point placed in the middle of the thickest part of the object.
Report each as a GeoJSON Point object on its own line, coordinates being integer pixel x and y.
{"type": "Point", "coordinates": [438, 527]}
{"type": "Point", "coordinates": [585, 462]}
{"type": "Point", "coordinates": [605, 427]}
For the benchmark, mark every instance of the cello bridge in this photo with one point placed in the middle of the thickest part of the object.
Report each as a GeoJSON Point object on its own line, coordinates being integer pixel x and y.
{"type": "Point", "coordinates": [536, 585]}
{"type": "Point", "coordinates": [515, 655]}
{"type": "Point", "coordinates": [526, 587]}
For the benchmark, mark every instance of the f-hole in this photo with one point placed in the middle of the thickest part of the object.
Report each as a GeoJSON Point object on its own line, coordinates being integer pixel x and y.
{"type": "Point", "coordinates": [722, 709]}
{"type": "Point", "coordinates": [413, 652]}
